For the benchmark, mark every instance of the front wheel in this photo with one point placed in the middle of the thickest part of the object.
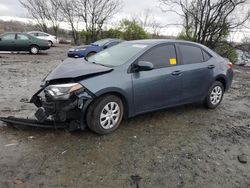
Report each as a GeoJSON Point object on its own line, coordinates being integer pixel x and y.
{"type": "Point", "coordinates": [105, 114]}
{"type": "Point", "coordinates": [215, 95]}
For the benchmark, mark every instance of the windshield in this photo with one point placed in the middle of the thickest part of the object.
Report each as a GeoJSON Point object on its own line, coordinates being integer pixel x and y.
{"type": "Point", "coordinates": [117, 55]}
{"type": "Point", "coordinates": [101, 42]}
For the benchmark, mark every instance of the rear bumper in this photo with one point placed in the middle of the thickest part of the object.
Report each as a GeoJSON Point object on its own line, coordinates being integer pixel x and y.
{"type": "Point", "coordinates": [230, 75]}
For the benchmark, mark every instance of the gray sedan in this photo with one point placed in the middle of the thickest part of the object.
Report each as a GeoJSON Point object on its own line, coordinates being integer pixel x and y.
{"type": "Point", "coordinates": [132, 78]}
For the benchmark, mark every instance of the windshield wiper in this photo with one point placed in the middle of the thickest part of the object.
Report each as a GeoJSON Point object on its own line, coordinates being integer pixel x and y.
{"type": "Point", "coordinates": [98, 64]}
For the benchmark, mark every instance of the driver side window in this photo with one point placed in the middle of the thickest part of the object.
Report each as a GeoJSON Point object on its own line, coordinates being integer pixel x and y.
{"type": "Point", "coordinates": [161, 56]}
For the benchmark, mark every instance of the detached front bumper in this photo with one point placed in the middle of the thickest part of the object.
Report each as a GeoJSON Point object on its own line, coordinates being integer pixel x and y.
{"type": "Point", "coordinates": [70, 111]}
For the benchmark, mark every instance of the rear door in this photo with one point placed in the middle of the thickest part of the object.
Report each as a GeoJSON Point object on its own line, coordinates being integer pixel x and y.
{"type": "Point", "coordinates": [160, 87]}
{"type": "Point", "coordinates": [7, 42]}
{"type": "Point", "coordinates": [197, 67]}
{"type": "Point", "coordinates": [22, 42]}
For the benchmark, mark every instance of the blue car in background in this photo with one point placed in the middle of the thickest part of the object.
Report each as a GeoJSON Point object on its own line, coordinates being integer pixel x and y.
{"type": "Point", "coordinates": [89, 50]}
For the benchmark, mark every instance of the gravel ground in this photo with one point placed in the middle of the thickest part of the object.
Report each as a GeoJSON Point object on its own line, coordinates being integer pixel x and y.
{"type": "Point", "coordinates": [188, 146]}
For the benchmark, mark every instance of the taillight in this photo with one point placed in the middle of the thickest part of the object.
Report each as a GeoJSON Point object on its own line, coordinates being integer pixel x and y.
{"type": "Point", "coordinates": [230, 64]}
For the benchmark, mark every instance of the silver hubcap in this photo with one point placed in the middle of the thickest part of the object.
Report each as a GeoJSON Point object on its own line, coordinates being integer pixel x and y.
{"type": "Point", "coordinates": [34, 50]}
{"type": "Point", "coordinates": [110, 115]}
{"type": "Point", "coordinates": [216, 95]}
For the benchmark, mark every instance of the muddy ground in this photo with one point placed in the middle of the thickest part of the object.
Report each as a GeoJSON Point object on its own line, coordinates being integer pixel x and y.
{"type": "Point", "coordinates": [187, 146]}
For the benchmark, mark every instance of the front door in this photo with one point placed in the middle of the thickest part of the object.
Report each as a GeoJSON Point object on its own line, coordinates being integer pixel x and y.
{"type": "Point", "coordinates": [160, 87]}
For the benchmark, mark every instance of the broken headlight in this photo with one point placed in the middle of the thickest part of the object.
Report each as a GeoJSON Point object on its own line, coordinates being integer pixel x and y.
{"type": "Point", "coordinates": [62, 91]}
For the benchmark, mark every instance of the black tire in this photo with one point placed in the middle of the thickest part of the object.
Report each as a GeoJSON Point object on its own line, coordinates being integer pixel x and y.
{"type": "Point", "coordinates": [90, 54]}
{"type": "Point", "coordinates": [209, 103]}
{"type": "Point", "coordinates": [34, 49]}
{"type": "Point", "coordinates": [95, 110]}
{"type": "Point", "coordinates": [50, 43]}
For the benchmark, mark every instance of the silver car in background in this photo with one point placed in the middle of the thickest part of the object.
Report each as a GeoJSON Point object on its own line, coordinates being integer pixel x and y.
{"type": "Point", "coordinates": [45, 36]}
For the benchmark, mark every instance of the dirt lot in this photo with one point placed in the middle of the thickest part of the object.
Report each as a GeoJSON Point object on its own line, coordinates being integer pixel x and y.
{"type": "Point", "coordinates": [187, 146]}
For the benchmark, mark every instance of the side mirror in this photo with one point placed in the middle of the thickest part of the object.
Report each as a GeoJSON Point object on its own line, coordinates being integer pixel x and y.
{"type": "Point", "coordinates": [105, 47]}
{"type": "Point", "coordinates": [143, 66]}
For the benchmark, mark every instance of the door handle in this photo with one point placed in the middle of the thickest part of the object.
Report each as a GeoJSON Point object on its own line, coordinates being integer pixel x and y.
{"type": "Point", "coordinates": [211, 66]}
{"type": "Point", "coordinates": [177, 73]}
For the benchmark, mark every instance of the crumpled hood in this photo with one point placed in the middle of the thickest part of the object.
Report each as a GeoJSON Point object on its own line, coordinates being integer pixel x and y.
{"type": "Point", "coordinates": [73, 68]}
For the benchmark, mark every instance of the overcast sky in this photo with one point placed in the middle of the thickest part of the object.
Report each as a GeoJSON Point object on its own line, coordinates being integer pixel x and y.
{"type": "Point", "coordinates": [12, 9]}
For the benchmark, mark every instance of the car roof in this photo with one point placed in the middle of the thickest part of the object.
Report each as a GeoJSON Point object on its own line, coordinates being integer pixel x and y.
{"type": "Point", "coordinates": [36, 32]}
{"type": "Point", "coordinates": [112, 39]}
{"type": "Point", "coordinates": [154, 42]}
{"type": "Point", "coordinates": [159, 41]}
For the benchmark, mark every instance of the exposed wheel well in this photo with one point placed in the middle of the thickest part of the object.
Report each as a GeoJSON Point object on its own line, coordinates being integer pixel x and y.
{"type": "Point", "coordinates": [124, 101]}
{"type": "Point", "coordinates": [223, 81]}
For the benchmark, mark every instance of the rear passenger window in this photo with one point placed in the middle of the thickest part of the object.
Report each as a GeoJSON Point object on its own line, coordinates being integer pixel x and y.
{"type": "Point", "coordinates": [161, 56]}
{"type": "Point", "coordinates": [22, 37]}
{"type": "Point", "coordinates": [191, 54]}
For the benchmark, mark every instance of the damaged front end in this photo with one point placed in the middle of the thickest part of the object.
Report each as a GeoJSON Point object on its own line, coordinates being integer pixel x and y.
{"type": "Point", "coordinates": [63, 103]}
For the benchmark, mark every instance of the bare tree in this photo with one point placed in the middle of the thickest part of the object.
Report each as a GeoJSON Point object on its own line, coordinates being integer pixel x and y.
{"type": "Point", "coordinates": [37, 9]}
{"type": "Point", "coordinates": [148, 22]}
{"type": "Point", "coordinates": [96, 13]}
{"type": "Point", "coordinates": [52, 13]}
{"type": "Point", "coordinates": [68, 11]}
{"type": "Point", "coordinates": [209, 21]}
{"type": "Point", "coordinates": [45, 12]}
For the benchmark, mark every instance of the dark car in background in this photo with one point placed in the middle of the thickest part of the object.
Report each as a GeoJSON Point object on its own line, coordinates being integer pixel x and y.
{"type": "Point", "coordinates": [132, 78]}
{"type": "Point", "coordinates": [22, 42]}
{"type": "Point", "coordinates": [89, 50]}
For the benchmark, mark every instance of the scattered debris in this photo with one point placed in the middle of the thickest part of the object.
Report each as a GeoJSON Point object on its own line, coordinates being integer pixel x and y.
{"type": "Point", "coordinates": [242, 158]}
{"type": "Point", "coordinates": [18, 181]}
{"type": "Point", "coordinates": [64, 152]}
{"type": "Point", "coordinates": [135, 180]}
{"type": "Point", "coordinates": [13, 144]}
{"type": "Point", "coordinates": [12, 70]}
{"type": "Point", "coordinates": [24, 100]}
{"type": "Point", "coordinates": [31, 137]}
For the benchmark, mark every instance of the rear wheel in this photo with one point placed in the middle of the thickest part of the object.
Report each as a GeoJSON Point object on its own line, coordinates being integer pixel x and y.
{"type": "Point", "coordinates": [50, 43]}
{"type": "Point", "coordinates": [105, 114]}
{"type": "Point", "coordinates": [215, 95]}
{"type": "Point", "coordinates": [34, 50]}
